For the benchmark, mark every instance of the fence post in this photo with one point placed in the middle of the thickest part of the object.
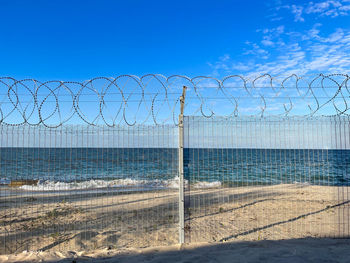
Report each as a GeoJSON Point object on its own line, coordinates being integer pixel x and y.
{"type": "Point", "coordinates": [181, 169]}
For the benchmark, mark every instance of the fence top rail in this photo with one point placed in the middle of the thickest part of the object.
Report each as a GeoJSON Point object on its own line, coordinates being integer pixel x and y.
{"type": "Point", "coordinates": [154, 99]}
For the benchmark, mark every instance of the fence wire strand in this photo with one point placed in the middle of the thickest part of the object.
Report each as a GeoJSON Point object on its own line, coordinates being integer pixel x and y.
{"type": "Point", "coordinates": [154, 99]}
{"type": "Point", "coordinates": [92, 164]}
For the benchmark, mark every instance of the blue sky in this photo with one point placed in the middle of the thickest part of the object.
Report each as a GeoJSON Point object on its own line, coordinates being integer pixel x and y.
{"type": "Point", "coordinates": [80, 40]}
{"type": "Point", "coordinates": [77, 40]}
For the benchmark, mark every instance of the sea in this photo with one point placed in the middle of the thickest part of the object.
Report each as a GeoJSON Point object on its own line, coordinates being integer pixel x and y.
{"type": "Point", "coordinates": [68, 169]}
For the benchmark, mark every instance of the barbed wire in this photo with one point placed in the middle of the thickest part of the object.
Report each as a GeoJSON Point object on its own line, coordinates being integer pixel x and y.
{"type": "Point", "coordinates": [154, 99]}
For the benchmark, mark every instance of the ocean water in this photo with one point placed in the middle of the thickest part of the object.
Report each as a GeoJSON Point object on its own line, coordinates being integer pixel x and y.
{"type": "Point", "coordinates": [239, 167]}
{"type": "Point", "coordinates": [151, 168]}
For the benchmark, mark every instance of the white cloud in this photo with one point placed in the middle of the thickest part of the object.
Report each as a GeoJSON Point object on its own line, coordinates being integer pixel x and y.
{"type": "Point", "coordinates": [256, 50]}
{"type": "Point", "coordinates": [311, 52]}
{"type": "Point", "coordinates": [269, 36]}
{"type": "Point", "coordinates": [267, 42]}
{"type": "Point", "coordinates": [313, 33]}
{"type": "Point", "coordinates": [318, 7]}
{"type": "Point", "coordinates": [297, 11]}
{"type": "Point", "coordinates": [225, 57]}
{"type": "Point", "coordinates": [335, 37]}
{"type": "Point", "coordinates": [329, 8]}
{"type": "Point", "coordinates": [282, 51]}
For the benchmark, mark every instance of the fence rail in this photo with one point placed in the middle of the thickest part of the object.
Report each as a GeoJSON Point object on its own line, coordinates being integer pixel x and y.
{"type": "Point", "coordinates": [153, 160]}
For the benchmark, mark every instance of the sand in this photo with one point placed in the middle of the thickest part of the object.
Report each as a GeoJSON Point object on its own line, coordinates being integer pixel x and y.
{"type": "Point", "coordinates": [109, 224]}
{"type": "Point", "coordinates": [286, 251]}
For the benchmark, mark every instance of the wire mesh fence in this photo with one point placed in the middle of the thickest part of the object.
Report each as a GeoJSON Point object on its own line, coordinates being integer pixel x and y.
{"type": "Point", "coordinates": [81, 187]}
{"type": "Point", "coordinates": [271, 178]}
{"type": "Point", "coordinates": [109, 163]}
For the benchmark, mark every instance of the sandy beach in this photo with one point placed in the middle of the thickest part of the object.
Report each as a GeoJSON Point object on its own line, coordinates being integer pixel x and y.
{"type": "Point", "coordinates": [115, 221]}
{"type": "Point", "coordinates": [287, 251]}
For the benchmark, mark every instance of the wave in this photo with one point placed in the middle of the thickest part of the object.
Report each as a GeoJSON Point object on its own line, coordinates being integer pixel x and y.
{"type": "Point", "coordinates": [118, 183]}
{"type": "Point", "coordinates": [205, 184]}
{"type": "Point", "coordinates": [4, 181]}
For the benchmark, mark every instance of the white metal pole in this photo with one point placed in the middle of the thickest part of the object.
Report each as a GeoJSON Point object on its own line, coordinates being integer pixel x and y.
{"type": "Point", "coordinates": [181, 171]}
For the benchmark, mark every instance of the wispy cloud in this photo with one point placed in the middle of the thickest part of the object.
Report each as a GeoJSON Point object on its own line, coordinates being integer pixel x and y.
{"type": "Point", "coordinates": [270, 36]}
{"type": "Point", "coordinates": [297, 11]}
{"type": "Point", "coordinates": [256, 50]}
{"type": "Point", "coordinates": [327, 54]}
{"type": "Point", "coordinates": [285, 51]}
{"type": "Point", "coordinates": [330, 8]}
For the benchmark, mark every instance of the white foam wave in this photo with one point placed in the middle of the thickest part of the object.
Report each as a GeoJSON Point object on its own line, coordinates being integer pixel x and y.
{"type": "Point", "coordinates": [4, 181]}
{"type": "Point", "coordinates": [93, 184]}
{"type": "Point", "coordinates": [118, 183]}
{"type": "Point", "coordinates": [207, 184]}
